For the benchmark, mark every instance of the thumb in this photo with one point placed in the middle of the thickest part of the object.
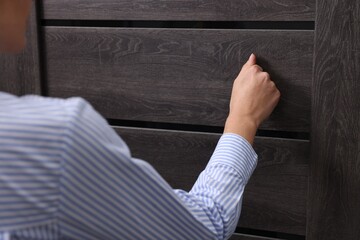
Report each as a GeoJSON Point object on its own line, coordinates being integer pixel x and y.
{"type": "Point", "coordinates": [252, 60]}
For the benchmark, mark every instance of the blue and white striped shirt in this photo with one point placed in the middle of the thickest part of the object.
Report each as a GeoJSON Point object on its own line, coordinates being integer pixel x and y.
{"type": "Point", "coordinates": [65, 174]}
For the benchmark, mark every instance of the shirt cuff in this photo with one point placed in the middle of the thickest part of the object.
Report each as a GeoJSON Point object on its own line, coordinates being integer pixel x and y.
{"type": "Point", "coordinates": [235, 151]}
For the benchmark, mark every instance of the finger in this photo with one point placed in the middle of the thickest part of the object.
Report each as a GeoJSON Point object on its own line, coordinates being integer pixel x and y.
{"type": "Point", "coordinates": [256, 68]}
{"type": "Point", "coordinates": [260, 68]}
{"type": "Point", "coordinates": [273, 85]}
{"type": "Point", "coordinates": [252, 60]}
{"type": "Point", "coordinates": [266, 75]}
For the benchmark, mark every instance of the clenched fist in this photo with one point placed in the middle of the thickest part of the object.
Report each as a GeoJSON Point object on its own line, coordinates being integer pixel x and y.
{"type": "Point", "coordinates": [254, 96]}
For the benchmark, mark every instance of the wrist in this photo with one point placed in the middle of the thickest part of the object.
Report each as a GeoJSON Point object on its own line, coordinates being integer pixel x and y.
{"type": "Point", "coordinates": [243, 126]}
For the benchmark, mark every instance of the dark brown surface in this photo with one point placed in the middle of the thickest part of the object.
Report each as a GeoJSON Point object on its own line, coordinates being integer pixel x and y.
{"type": "Point", "coordinates": [334, 203]}
{"type": "Point", "coordinates": [177, 76]}
{"type": "Point", "coordinates": [20, 73]}
{"type": "Point", "coordinates": [209, 10]}
{"type": "Point", "coordinates": [238, 236]}
{"type": "Point", "coordinates": [275, 198]}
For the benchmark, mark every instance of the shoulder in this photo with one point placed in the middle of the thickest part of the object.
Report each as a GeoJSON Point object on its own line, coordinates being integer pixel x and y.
{"type": "Point", "coordinates": [72, 117]}
{"type": "Point", "coordinates": [41, 106]}
{"type": "Point", "coordinates": [61, 109]}
{"type": "Point", "coordinates": [43, 114]}
{"type": "Point", "coordinates": [85, 125]}
{"type": "Point", "coordinates": [32, 113]}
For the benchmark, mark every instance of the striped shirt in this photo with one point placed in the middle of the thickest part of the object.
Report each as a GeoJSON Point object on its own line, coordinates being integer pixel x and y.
{"type": "Point", "coordinates": [66, 174]}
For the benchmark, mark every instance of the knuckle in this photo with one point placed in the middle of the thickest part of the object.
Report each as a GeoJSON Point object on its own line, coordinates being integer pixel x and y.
{"type": "Point", "coordinates": [254, 68]}
{"type": "Point", "coordinates": [277, 93]}
{"type": "Point", "coordinates": [266, 75]}
{"type": "Point", "coordinates": [272, 84]}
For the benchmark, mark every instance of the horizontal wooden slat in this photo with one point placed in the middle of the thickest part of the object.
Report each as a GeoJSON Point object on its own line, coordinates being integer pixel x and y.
{"type": "Point", "coordinates": [275, 198]}
{"type": "Point", "coordinates": [238, 236]}
{"type": "Point", "coordinates": [177, 76]}
{"type": "Point", "coordinates": [209, 10]}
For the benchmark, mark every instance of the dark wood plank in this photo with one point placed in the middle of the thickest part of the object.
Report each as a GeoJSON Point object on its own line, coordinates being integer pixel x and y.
{"type": "Point", "coordinates": [334, 204]}
{"type": "Point", "coordinates": [209, 10]}
{"type": "Point", "coordinates": [275, 198]}
{"type": "Point", "coordinates": [177, 76]}
{"type": "Point", "coordinates": [20, 74]}
{"type": "Point", "coordinates": [238, 236]}
{"type": "Point", "coordinates": [276, 195]}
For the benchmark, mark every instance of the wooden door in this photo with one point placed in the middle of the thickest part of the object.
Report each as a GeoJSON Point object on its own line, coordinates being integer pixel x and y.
{"type": "Point", "coordinates": [334, 197]}
{"type": "Point", "coordinates": [161, 73]}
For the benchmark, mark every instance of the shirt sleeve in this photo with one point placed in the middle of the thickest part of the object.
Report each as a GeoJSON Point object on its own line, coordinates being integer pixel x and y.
{"type": "Point", "coordinates": [216, 197]}
{"type": "Point", "coordinates": [106, 194]}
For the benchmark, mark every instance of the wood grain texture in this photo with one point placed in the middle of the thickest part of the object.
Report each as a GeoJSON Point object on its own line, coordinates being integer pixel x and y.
{"type": "Point", "coordinates": [177, 76]}
{"type": "Point", "coordinates": [20, 74]}
{"type": "Point", "coordinates": [204, 10]}
{"type": "Point", "coordinates": [275, 197]}
{"type": "Point", "coordinates": [334, 204]}
{"type": "Point", "coordinates": [238, 236]}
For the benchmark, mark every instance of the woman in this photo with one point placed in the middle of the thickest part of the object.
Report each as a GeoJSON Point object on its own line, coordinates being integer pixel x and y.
{"type": "Point", "coordinates": [65, 174]}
